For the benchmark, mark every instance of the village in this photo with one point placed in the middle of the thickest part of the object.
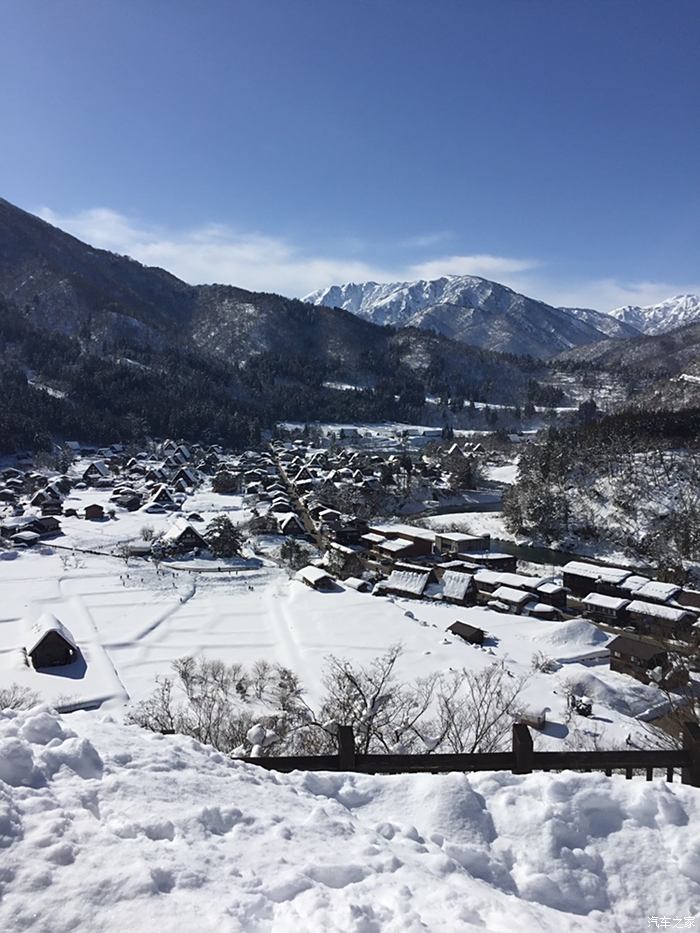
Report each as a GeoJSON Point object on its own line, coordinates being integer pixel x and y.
{"type": "Point", "coordinates": [316, 556]}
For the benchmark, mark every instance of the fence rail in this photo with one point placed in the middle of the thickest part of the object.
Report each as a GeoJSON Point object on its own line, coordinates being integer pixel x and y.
{"type": "Point", "coordinates": [522, 759]}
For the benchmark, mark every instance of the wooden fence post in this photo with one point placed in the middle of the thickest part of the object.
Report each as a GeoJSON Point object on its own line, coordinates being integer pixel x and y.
{"type": "Point", "coordinates": [522, 749]}
{"type": "Point", "coordinates": [691, 743]}
{"type": "Point", "coordinates": [346, 749]}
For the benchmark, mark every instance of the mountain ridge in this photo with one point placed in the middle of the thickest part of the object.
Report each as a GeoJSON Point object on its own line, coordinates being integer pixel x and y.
{"type": "Point", "coordinates": [472, 310]}
{"type": "Point", "coordinates": [662, 317]}
{"type": "Point", "coordinates": [211, 359]}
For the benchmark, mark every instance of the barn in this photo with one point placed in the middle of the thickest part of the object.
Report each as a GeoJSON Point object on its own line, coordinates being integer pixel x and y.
{"type": "Point", "coordinates": [48, 643]}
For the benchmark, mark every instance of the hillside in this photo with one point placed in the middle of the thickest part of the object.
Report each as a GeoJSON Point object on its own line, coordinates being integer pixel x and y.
{"type": "Point", "coordinates": [95, 343]}
{"type": "Point", "coordinates": [472, 310]}
{"type": "Point", "coordinates": [107, 827]}
{"type": "Point", "coordinates": [662, 317]}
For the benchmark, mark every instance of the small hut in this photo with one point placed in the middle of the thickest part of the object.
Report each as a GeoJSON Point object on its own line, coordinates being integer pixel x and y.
{"type": "Point", "coordinates": [49, 643]}
{"type": "Point", "coordinates": [469, 633]}
{"type": "Point", "coordinates": [316, 578]}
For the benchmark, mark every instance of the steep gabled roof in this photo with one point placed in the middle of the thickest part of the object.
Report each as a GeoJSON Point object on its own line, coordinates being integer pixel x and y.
{"type": "Point", "coordinates": [38, 630]}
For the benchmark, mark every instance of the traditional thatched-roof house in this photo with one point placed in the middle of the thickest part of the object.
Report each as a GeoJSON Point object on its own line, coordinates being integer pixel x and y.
{"type": "Point", "coordinates": [408, 583]}
{"type": "Point", "coordinates": [48, 643]}
{"type": "Point", "coordinates": [457, 588]}
{"type": "Point", "coordinates": [96, 471]}
{"type": "Point", "coordinates": [182, 537]}
{"type": "Point", "coordinates": [289, 524]}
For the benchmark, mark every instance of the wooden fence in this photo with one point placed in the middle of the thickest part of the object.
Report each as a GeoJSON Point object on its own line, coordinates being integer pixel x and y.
{"type": "Point", "coordinates": [521, 759]}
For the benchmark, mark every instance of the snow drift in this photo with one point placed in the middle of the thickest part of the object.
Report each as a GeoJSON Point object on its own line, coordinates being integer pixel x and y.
{"type": "Point", "coordinates": [105, 827]}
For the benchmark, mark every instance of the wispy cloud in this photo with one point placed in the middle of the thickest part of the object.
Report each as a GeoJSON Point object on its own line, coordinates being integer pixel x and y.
{"type": "Point", "coordinates": [261, 262]}
{"type": "Point", "coordinates": [489, 267]}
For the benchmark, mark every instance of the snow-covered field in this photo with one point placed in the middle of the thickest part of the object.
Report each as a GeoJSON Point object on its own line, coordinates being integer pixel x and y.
{"type": "Point", "coordinates": [506, 473]}
{"type": "Point", "coordinates": [473, 523]}
{"type": "Point", "coordinates": [131, 622]}
{"type": "Point", "coordinates": [106, 827]}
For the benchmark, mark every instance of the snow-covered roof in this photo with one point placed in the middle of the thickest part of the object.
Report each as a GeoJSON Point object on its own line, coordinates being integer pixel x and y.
{"type": "Point", "coordinates": [458, 538]}
{"type": "Point", "coordinates": [455, 585]}
{"type": "Point", "coordinates": [485, 555]}
{"type": "Point", "coordinates": [101, 467]}
{"type": "Point", "coordinates": [596, 572]}
{"type": "Point", "coordinates": [657, 610]}
{"type": "Point", "coordinates": [356, 583]}
{"type": "Point", "coordinates": [508, 595]}
{"type": "Point", "coordinates": [548, 588]}
{"type": "Point", "coordinates": [36, 631]}
{"type": "Point", "coordinates": [311, 574]}
{"type": "Point", "coordinates": [406, 530]}
{"type": "Point", "coordinates": [288, 518]}
{"type": "Point", "coordinates": [395, 546]}
{"type": "Point", "coordinates": [408, 581]}
{"type": "Point", "coordinates": [178, 528]}
{"type": "Point", "coordinates": [654, 589]}
{"type": "Point", "coordinates": [341, 548]}
{"type": "Point", "coordinates": [634, 581]}
{"type": "Point", "coordinates": [505, 578]}
{"type": "Point", "coordinates": [542, 609]}
{"type": "Point", "coordinates": [373, 538]}
{"type": "Point", "coordinates": [26, 537]}
{"type": "Point", "coordinates": [604, 602]}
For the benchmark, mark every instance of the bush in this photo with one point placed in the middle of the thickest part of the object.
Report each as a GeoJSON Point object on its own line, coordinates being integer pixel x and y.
{"type": "Point", "coordinates": [16, 697]}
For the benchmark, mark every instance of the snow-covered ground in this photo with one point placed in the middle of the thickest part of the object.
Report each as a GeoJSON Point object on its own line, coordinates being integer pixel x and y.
{"type": "Point", "coordinates": [132, 621]}
{"type": "Point", "coordinates": [473, 523]}
{"type": "Point", "coordinates": [106, 827]}
{"type": "Point", "coordinates": [505, 473]}
{"type": "Point", "coordinates": [386, 433]}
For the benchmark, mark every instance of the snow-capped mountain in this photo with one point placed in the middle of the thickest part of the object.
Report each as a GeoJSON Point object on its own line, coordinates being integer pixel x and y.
{"type": "Point", "coordinates": [466, 308]}
{"type": "Point", "coordinates": [610, 326]}
{"type": "Point", "coordinates": [664, 316]}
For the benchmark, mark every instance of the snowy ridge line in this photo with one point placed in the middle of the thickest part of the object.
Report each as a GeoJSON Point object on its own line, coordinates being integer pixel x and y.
{"type": "Point", "coordinates": [522, 759]}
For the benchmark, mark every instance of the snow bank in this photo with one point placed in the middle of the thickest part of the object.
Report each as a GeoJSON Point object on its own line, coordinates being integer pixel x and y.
{"type": "Point", "coordinates": [105, 827]}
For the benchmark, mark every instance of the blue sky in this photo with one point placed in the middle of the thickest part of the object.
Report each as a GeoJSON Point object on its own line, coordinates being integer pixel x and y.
{"type": "Point", "coordinates": [287, 144]}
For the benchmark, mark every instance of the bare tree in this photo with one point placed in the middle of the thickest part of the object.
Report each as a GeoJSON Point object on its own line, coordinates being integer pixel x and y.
{"type": "Point", "coordinates": [682, 704]}
{"type": "Point", "coordinates": [477, 710]}
{"type": "Point", "coordinates": [17, 697]}
{"type": "Point", "coordinates": [264, 711]}
{"type": "Point", "coordinates": [386, 716]}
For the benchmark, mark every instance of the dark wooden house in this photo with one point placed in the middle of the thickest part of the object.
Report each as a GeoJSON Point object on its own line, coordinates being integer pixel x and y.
{"type": "Point", "coordinates": [637, 658]}
{"type": "Point", "coordinates": [582, 578]}
{"type": "Point", "coordinates": [181, 537]}
{"type": "Point", "coordinates": [469, 633]}
{"type": "Point", "coordinates": [661, 620]}
{"type": "Point", "coordinates": [602, 608]}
